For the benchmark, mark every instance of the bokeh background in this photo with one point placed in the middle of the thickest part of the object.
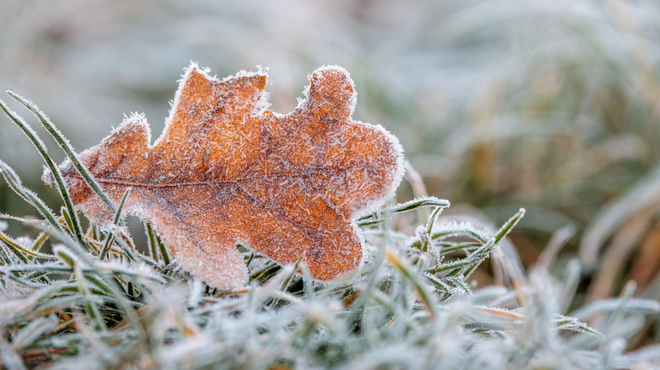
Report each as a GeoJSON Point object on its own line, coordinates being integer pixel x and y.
{"type": "Point", "coordinates": [550, 105]}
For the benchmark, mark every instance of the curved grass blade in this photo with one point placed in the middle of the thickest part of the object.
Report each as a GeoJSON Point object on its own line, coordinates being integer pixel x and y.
{"type": "Point", "coordinates": [413, 276]}
{"type": "Point", "coordinates": [163, 250]}
{"type": "Point", "coordinates": [429, 228]}
{"type": "Point", "coordinates": [151, 238]}
{"type": "Point", "coordinates": [14, 247]}
{"type": "Point", "coordinates": [31, 198]}
{"type": "Point", "coordinates": [21, 252]}
{"type": "Point", "coordinates": [116, 220]}
{"type": "Point", "coordinates": [66, 146]}
{"type": "Point", "coordinates": [378, 216]}
{"type": "Point", "coordinates": [57, 175]}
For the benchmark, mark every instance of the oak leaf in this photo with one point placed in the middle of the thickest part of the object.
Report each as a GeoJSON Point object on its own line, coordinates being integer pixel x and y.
{"type": "Point", "coordinates": [226, 171]}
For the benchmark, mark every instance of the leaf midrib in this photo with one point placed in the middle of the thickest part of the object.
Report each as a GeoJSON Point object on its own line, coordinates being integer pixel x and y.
{"type": "Point", "coordinates": [209, 183]}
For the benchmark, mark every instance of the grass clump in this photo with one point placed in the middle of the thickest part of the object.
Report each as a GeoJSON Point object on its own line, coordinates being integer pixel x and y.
{"type": "Point", "coordinates": [95, 300]}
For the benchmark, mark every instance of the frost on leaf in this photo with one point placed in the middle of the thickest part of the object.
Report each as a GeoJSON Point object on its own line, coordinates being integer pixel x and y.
{"type": "Point", "coordinates": [225, 171]}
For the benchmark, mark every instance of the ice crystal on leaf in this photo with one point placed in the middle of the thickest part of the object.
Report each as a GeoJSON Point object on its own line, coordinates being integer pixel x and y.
{"type": "Point", "coordinates": [227, 171]}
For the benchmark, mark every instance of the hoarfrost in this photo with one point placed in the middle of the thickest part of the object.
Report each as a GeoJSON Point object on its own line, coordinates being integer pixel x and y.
{"type": "Point", "coordinates": [227, 169]}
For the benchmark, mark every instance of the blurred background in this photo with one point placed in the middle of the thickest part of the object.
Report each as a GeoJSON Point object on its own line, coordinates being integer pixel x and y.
{"type": "Point", "coordinates": [549, 105]}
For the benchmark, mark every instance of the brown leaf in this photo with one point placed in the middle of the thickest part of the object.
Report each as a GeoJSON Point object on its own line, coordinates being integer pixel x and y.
{"type": "Point", "coordinates": [225, 170]}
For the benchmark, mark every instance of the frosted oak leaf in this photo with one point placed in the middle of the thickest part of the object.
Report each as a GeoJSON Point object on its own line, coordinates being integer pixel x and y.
{"type": "Point", "coordinates": [226, 171]}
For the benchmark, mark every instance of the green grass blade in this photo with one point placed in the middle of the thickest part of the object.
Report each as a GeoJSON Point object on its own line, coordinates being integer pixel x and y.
{"type": "Point", "coordinates": [39, 242]}
{"type": "Point", "coordinates": [66, 146]}
{"type": "Point", "coordinates": [31, 198]}
{"type": "Point", "coordinates": [116, 220]}
{"type": "Point", "coordinates": [22, 252]}
{"type": "Point", "coordinates": [151, 238]}
{"type": "Point", "coordinates": [91, 308]}
{"type": "Point", "coordinates": [14, 247]}
{"type": "Point", "coordinates": [163, 250]}
{"type": "Point", "coordinates": [508, 226]}
{"type": "Point", "coordinates": [377, 217]}
{"type": "Point", "coordinates": [57, 175]}
{"type": "Point", "coordinates": [429, 228]}
{"type": "Point", "coordinates": [407, 271]}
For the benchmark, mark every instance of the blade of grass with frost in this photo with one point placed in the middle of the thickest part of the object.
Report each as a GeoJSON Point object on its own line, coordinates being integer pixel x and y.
{"type": "Point", "coordinates": [116, 291]}
{"type": "Point", "coordinates": [9, 357]}
{"type": "Point", "coordinates": [151, 238]}
{"type": "Point", "coordinates": [62, 302]}
{"type": "Point", "coordinates": [261, 293]}
{"type": "Point", "coordinates": [611, 352]}
{"type": "Point", "coordinates": [117, 218]}
{"type": "Point", "coordinates": [571, 323]}
{"type": "Point", "coordinates": [106, 267]}
{"type": "Point", "coordinates": [102, 285]}
{"type": "Point", "coordinates": [308, 287]}
{"type": "Point", "coordinates": [617, 315]}
{"type": "Point", "coordinates": [149, 262]}
{"type": "Point", "coordinates": [22, 252]}
{"type": "Point", "coordinates": [438, 283]}
{"type": "Point", "coordinates": [62, 237]}
{"type": "Point", "coordinates": [47, 268]}
{"type": "Point", "coordinates": [15, 248]}
{"type": "Point", "coordinates": [31, 198]}
{"type": "Point", "coordinates": [501, 233]}
{"type": "Point", "coordinates": [114, 288]}
{"type": "Point", "coordinates": [473, 258]}
{"type": "Point", "coordinates": [287, 280]}
{"type": "Point", "coordinates": [468, 264]}
{"type": "Point", "coordinates": [68, 220]}
{"type": "Point", "coordinates": [25, 283]}
{"type": "Point", "coordinates": [571, 281]}
{"type": "Point", "coordinates": [34, 330]}
{"type": "Point", "coordinates": [30, 301]}
{"type": "Point", "coordinates": [429, 229]}
{"type": "Point", "coordinates": [413, 276]}
{"type": "Point", "coordinates": [377, 217]}
{"type": "Point", "coordinates": [34, 275]}
{"type": "Point", "coordinates": [358, 307]}
{"type": "Point", "coordinates": [39, 242]}
{"type": "Point", "coordinates": [63, 142]}
{"type": "Point", "coordinates": [83, 274]}
{"type": "Point", "coordinates": [459, 283]}
{"type": "Point", "coordinates": [130, 256]}
{"type": "Point", "coordinates": [447, 248]}
{"type": "Point", "coordinates": [55, 171]}
{"type": "Point", "coordinates": [455, 231]}
{"type": "Point", "coordinates": [268, 270]}
{"type": "Point", "coordinates": [163, 249]}
{"type": "Point", "coordinates": [644, 306]}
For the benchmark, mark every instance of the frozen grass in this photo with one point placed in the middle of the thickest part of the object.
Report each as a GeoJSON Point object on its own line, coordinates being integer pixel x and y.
{"type": "Point", "coordinates": [548, 104]}
{"type": "Point", "coordinates": [499, 103]}
{"type": "Point", "coordinates": [412, 304]}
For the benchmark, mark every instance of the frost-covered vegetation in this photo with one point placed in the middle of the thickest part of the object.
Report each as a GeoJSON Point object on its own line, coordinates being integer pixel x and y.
{"type": "Point", "coordinates": [95, 300]}
{"type": "Point", "coordinates": [500, 104]}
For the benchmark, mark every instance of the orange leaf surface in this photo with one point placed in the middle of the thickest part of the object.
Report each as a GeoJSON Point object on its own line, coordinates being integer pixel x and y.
{"type": "Point", "coordinates": [226, 171]}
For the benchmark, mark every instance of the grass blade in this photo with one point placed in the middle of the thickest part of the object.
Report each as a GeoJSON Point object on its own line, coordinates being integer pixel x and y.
{"type": "Point", "coordinates": [31, 198]}
{"type": "Point", "coordinates": [57, 175]}
{"type": "Point", "coordinates": [66, 146]}
{"type": "Point", "coordinates": [377, 217]}
{"type": "Point", "coordinates": [116, 220]}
